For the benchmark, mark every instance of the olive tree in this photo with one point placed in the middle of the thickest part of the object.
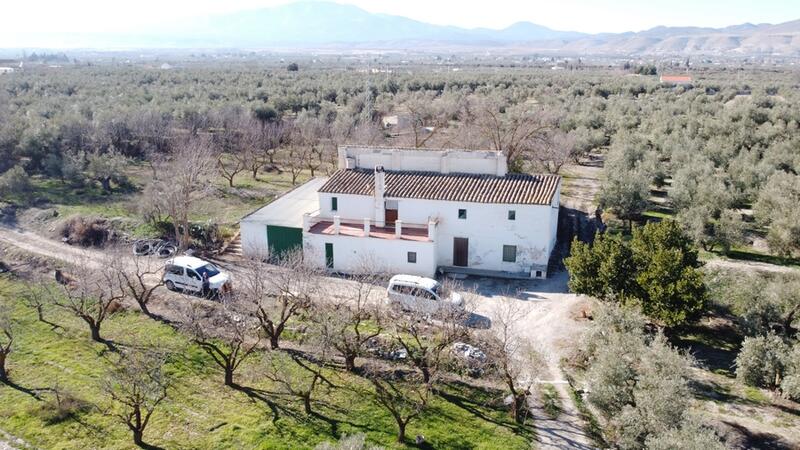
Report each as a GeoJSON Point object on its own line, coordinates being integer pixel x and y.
{"type": "Point", "coordinates": [106, 167]}
{"type": "Point", "coordinates": [776, 208]}
{"type": "Point", "coordinates": [762, 361]}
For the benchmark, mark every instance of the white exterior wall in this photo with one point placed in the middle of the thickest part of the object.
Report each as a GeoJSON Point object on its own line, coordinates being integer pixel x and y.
{"type": "Point", "coordinates": [349, 206]}
{"type": "Point", "coordinates": [487, 227]}
{"type": "Point", "coordinates": [254, 238]}
{"type": "Point", "coordinates": [352, 254]}
{"type": "Point", "coordinates": [555, 206]}
{"type": "Point", "coordinates": [443, 161]}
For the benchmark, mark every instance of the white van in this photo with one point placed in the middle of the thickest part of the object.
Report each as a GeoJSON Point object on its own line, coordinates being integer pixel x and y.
{"type": "Point", "coordinates": [186, 273]}
{"type": "Point", "coordinates": [421, 294]}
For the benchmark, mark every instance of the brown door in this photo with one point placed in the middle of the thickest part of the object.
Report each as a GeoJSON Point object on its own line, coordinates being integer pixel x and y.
{"type": "Point", "coordinates": [460, 252]}
{"type": "Point", "coordinates": [391, 217]}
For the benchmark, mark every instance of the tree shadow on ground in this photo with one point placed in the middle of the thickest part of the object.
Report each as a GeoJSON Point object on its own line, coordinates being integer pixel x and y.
{"type": "Point", "coordinates": [33, 392]}
{"type": "Point", "coordinates": [261, 396]}
{"type": "Point", "coordinates": [475, 407]}
{"type": "Point", "coordinates": [746, 438]}
{"type": "Point", "coordinates": [147, 446]}
{"type": "Point", "coordinates": [713, 341]}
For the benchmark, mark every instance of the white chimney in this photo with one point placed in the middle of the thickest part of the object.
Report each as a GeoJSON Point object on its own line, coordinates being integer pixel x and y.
{"type": "Point", "coordinates": [342, 157]}
{"type": "Point", "coordinates": [444, 162]}
{"type": "Point", "coordinates": [379, 192]}
{"type": "Point", "coordinates": [502, 164]}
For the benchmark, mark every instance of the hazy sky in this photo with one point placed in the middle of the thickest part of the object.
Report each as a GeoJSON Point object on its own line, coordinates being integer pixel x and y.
{"type": "Point", "coordinates": [575, 15]}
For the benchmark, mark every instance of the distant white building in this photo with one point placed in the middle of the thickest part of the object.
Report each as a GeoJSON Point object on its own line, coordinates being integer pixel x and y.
{"type": "Point", "coordinates": [6, 70]}
{"type": "Point", "coordinates": [417, 212]}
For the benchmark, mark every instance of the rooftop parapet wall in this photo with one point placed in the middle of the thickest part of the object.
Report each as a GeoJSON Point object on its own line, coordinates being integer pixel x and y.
{"type": "Point", "coordinates": [442, 161]}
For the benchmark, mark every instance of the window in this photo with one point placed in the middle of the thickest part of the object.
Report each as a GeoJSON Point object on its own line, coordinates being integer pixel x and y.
{"type": "Point", "coordinates": [412, 257]}
{"type": "Point", "coordinates": [175, 270]}
{"type": "Point", "coordinates": [425, 294]}
{"type": "Point", "coordinates": [402, 289]}
{"type": "Point", "coordinates": [512, 215]}
{"type": "Point", "coordinates": [538, 274]}
{"type": "Point", "coordinates": [209, 269]}
{"type": "Point", "coordinates": [192, 274]}
{"type": "Point", "coordinates": [510, 253]}
{"type": "Point", "coordinates": [334, 204]}
{"type": "Point", "coordinates": [462, 213]}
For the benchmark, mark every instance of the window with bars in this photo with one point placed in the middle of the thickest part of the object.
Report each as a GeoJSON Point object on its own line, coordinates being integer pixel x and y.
{"type": "Point", "coordinates": [510, 253]}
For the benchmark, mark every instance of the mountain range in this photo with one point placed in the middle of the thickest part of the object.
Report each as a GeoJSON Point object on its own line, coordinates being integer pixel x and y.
{"type": "Point", "coordinates": [316, 25]}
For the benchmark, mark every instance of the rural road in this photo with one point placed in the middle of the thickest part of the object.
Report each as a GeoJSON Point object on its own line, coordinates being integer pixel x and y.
{"type": "Point", "coordinates": [548, 323]}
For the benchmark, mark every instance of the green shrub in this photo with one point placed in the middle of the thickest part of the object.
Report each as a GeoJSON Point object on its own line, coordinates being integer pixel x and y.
{"type": "Point", "coordinates": [15, 181]}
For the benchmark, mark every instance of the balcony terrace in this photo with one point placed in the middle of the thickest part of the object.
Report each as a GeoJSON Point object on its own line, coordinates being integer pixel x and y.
{"type": "Point", "coordinates": [368, 228]}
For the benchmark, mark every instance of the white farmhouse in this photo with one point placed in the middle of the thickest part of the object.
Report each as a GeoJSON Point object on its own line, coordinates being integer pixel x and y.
{"type": "Point", "coordinates": [416, 212]}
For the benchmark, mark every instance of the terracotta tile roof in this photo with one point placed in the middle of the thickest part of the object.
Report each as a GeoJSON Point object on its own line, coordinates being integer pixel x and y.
{"type": "Point", "coordinates": [676, 79]}
{"type": "Point", "coordinates": [457, 187]}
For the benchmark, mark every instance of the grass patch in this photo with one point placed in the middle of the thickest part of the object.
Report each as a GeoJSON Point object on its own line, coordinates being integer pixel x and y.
{"type": "Point", "coordinates": [755, 395]}
{"type": "Point", "coordinates": [741, 253]}
{"type": "Point", "coordinates": [200, 411]}
{"type": "Point", "coordinates": [551, 403]}
{"type": "Point", "coordinates": [661, 215]}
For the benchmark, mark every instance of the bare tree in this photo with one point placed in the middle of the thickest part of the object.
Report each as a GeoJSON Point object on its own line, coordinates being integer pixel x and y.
{"type": "Point", "coordinates": [226, 335]}
{"type": "Point", "coordinates": [512, 129]}
{"type": "Point", "coordinates": [262, 141]}
{"type": "Point", "coordinates": [182, 180]}
{"type": "Point", "coordinates": [274, 297]}
{"type": "Point", "coordinates": [426, 120]}
{"type": "Point", "coordinates": [230, 165]}
{"type": "Point", "coordinates": [6, 340]}
{"type": "Point", "coordinates": [309, 132]}
{"type": "Point", "coordinates": [348, 320]}
{"type": "Point", "coordinates": [294, 159]}
{"type": "Point", "coordinates": [515, 360]}
{"type": "Point", "coordinates": [552, 151]}
{"type": "Point", "coordinates": [404, 397]}
{"type": "Point", "coordinates": [137, 277]}
{"type": "Point", "coordinates": [138, 384]}
{"type": "Point", "coordinates": [92, 297]}
{"type": "Point", "coordinates": [36, 298]}
{"type": "Point", "coordinates": [427, 341]}
{"type": "Point", "coordinates": [295, 376]}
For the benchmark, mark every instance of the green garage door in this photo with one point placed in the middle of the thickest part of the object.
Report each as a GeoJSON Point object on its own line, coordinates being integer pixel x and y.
{"type": "Point", "coordinates": [283, 239]}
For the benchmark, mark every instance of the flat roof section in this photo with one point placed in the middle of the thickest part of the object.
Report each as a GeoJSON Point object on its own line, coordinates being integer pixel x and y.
{"type": "Point", "coordinates": [288, 209]}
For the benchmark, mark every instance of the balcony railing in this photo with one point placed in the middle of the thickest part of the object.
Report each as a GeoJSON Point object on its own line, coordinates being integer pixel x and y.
{"type": "Point", "coordinates": [400, 230]}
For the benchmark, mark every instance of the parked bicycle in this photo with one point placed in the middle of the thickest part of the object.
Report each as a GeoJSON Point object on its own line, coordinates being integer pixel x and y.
{"type": "Point", "coordinates": [157, 247]}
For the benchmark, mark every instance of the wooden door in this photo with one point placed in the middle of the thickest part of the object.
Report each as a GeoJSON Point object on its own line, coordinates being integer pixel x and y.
{"type": "Point", "coordinates": [460, 252]}
{"type": "Point", "coordinates": [391, 217]}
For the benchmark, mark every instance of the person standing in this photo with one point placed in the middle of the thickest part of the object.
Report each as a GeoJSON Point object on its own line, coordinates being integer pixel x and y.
{"type": "Point", "coordinates": [206, 285]}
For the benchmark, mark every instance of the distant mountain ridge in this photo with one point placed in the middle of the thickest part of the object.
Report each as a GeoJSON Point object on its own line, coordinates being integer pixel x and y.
{"type": "Point", "coordinates": [319, 24]}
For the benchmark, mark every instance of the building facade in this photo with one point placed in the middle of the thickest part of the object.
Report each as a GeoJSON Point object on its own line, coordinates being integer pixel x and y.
{"type": "Point", "coordinates": [421, 211]}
